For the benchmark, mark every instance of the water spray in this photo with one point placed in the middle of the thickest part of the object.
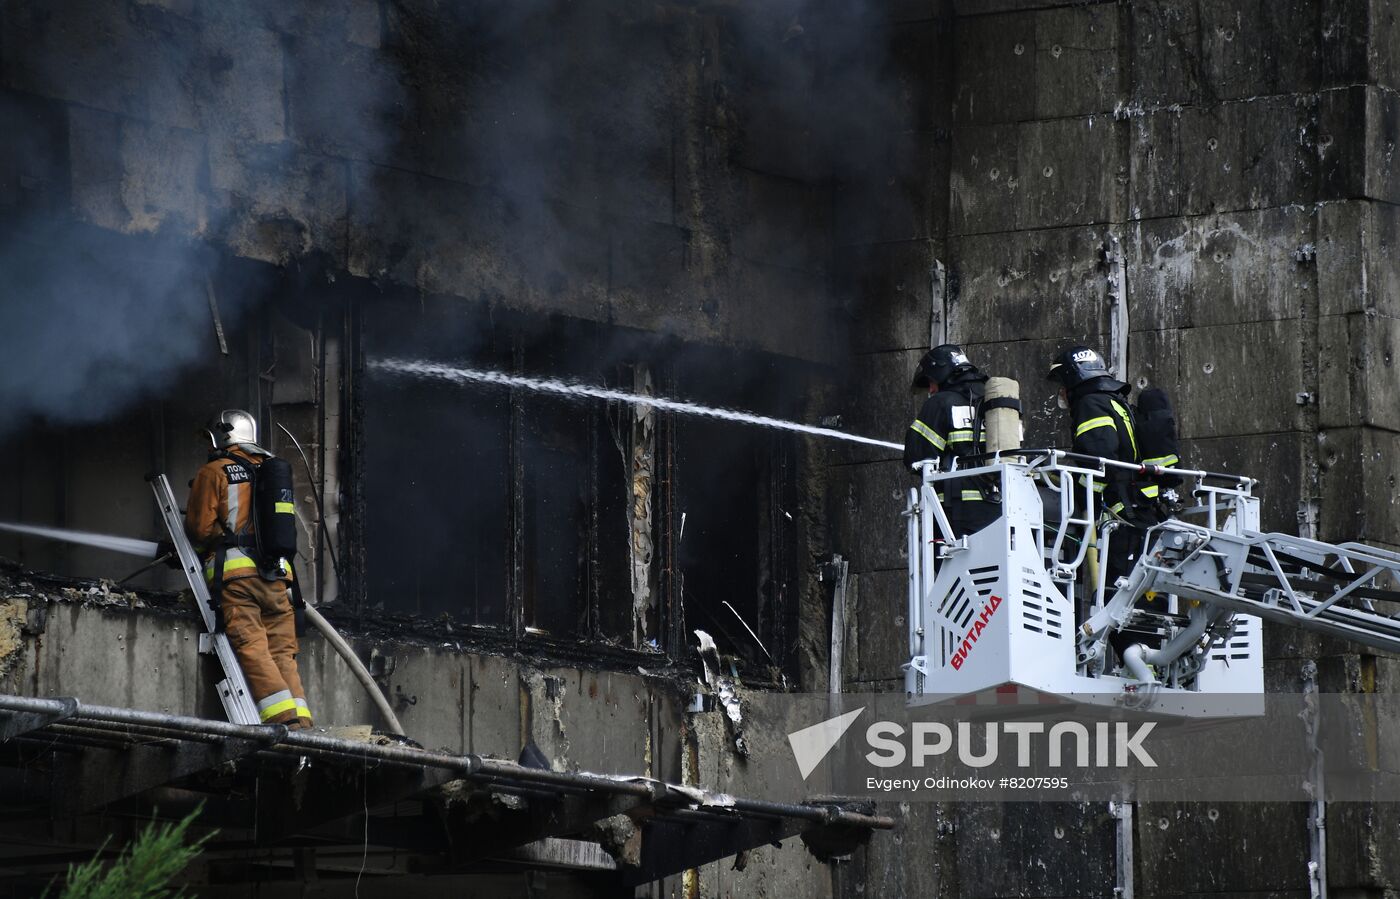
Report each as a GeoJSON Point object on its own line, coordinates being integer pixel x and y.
{"type": "Point", "coordinates": [454, 375]}
{"type": "Point", "coordinates": [146, 549]}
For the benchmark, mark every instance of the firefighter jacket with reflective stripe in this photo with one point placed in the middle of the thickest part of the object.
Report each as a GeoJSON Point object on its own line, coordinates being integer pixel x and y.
{"type": "Point", "coordinates": [221, 507]}
{"type": "Point", "coordinates": [1103, 426]}
{"type": "Point", "coordinates": [948, 427]}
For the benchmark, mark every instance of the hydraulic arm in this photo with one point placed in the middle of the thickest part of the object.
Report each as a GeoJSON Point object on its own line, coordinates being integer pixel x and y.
{"type": "Point", "coordinates": [1322, 587]}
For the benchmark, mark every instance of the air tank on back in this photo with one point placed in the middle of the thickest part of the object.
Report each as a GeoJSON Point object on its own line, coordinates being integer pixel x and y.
{"type": "Point", "coordinates": [1001, 414]}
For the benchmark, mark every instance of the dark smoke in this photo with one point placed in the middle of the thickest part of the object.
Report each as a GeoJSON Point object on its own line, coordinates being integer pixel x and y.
{"type": "Point", "coordinates": [546, 155]}
{"type": "Point", "coordinates": [86, 329]}
{"type": "Point", "coordinates": [192, 126]}
{"type": "Point", "coordinates": [571, 135]}
{"type": "Point", "coordinates": [146, 146]}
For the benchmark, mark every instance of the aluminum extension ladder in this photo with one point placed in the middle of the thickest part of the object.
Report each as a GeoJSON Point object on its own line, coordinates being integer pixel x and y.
{"type": "Point", "coordinates": [233, 689]}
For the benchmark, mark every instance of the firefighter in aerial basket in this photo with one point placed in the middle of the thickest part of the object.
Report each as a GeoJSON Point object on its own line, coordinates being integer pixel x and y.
{"type": "Point", "coordinates": [1104, 425]}
{"type": "Point", "coordinates": [950, 427]}
{"type": "Point", "coordinates": [241, 520]}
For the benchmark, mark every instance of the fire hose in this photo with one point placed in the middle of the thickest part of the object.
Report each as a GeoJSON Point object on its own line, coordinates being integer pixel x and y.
{"type": "Point", "coordinates": [376, 695]}
{"type": "Point", "coordinates": [318, 621]}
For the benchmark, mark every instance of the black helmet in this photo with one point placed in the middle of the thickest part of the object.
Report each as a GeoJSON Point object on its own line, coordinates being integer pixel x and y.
{"type": "Point", "coordinates": [939, 364]}
{"type": "Point", "coordinates": [1076, 365]}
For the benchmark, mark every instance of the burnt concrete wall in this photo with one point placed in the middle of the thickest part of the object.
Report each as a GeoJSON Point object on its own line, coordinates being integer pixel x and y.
{"type": "Point", "coordinates": [1240, 154]}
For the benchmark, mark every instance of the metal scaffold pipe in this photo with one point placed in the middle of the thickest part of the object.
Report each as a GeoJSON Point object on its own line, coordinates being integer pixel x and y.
{"type": "Point", "coordinates": [271, 734]}
{"type": "Point", "coordinates": [76, 721]}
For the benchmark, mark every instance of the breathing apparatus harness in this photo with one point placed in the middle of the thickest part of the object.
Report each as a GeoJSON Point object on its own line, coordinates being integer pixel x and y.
{"type": "Point", "coordinates": [273, 519]}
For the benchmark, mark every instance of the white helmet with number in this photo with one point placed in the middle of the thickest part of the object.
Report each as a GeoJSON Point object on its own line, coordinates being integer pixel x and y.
{"type": "Point", "coordinates": [233, 427]}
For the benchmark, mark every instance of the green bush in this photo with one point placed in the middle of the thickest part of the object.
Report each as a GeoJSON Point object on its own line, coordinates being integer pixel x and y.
{"type": "Point", "coordinates": [143, 870]}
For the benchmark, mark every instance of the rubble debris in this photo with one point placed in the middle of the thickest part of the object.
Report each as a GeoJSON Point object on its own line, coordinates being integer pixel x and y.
{"type": "Point", "coordinates": [620, 837]}
{"type": "Point", "coordinates": [42, 589]}
{"type": "Point", "coordinates": [357, 733]}
{"type": "Point", "coordinates": [482, 803]}
{"type": "Point", "coordinates": [102, 594]}
{"type": "Point", "coordinates": [698, 797]}
{"type": "Point", "coordinates": [726, 688]}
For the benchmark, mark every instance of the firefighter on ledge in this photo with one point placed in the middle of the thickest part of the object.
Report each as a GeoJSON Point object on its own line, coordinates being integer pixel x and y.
{"type": "Point", "coordinates": [241, 520]}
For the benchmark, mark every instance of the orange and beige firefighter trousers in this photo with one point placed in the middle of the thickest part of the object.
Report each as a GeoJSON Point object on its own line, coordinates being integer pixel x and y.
{"type": "Point", "coordinates": [261, 626]}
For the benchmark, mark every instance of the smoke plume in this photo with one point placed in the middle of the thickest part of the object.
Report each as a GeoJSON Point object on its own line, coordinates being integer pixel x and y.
{"type": "Point", "coordinates": [148, 145]}
{"type": "Point", "coordinates": [537, 153]}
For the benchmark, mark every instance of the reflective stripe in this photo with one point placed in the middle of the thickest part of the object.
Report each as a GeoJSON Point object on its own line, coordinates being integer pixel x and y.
{"type": "Point", "coordinates": [231, 523]}
{"type": "Point", "coordinates": [1103, 421]}
{"type": "Point", "coordinates": [237, 558]}
{"type": "Point", "coordinates": [274, 698]}
{"type": "Point", "coordinates": [234, 560]}
{"type": "Point", "coordinates": [1098, 485]}
{"type": "Point", "coordinates": [237, 564]}
{"type": "Point", "coordinates": [960, 437]}
{"type": "Point", "coordinates": [276, 704]}
{"type": "Point", "coordinates": [1163, 461]}
{"type": "Point", "coordinates": [1152, 492]}
{"type": "Point", "coordinates": [928, 434]}
{"type": "Point", "coordinates": [273, 711]}
{"type": "Point", "coordinates": [970, 495]}
{"type": "Point", "coordinates": [283, 507]}
{"type": "Point", "coordinates": [1127, 425]}
{"type": "Point", "coordinates": [303, 710]}
{"type": "Point", "coordinates": [1116, 508]}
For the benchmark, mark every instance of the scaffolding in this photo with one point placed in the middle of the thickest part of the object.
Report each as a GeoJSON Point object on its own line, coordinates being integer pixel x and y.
{"type": "Point", "coordinates": [408, 810]}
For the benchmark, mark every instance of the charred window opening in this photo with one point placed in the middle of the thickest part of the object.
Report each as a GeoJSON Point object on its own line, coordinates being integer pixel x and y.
{"type": "Point", "coordinates": [491, 506]}
{"type": "Point", "coordinates": [539, 515]}
{"type": "Point", "coordinates": [734, 495]}
{"type": "Point", "coordinates": [436, 475]}
{"type": "Point", "coordinates": [572, 519]}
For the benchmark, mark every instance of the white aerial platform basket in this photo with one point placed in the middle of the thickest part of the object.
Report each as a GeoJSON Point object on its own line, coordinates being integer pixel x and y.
{"type": "Point", "coordinates": [1000, 620]}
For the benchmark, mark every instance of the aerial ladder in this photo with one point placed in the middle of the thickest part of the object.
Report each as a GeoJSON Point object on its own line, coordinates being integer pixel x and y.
{"type": "Point", "coordinates": [1021, 612]}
